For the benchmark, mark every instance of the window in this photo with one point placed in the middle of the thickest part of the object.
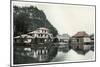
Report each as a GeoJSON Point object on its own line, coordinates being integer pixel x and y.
{"type": "Point", "coordinates": [45, 31]}
{"type": "Point", "coordinates": [77, 40]}
{"type": "Point", "coordinates": [39, 35]}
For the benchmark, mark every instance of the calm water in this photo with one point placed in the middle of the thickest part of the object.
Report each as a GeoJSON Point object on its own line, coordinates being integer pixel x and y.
{"type": "Point", "coordinates": [28, 55]}
{"type": "Point", "coordinates": [72, 55]}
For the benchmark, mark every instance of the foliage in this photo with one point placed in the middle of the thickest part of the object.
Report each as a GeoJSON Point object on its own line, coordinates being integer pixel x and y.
{"type": "Point", "coordinates": [27, 19]}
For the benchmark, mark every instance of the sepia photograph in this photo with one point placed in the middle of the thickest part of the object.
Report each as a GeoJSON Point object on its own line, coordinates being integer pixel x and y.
{"type": "Point", "coordinates": [50, 33]}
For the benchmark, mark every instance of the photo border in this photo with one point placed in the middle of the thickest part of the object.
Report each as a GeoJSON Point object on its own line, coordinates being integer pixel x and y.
{"type": "Point", "coordinates": [47, 63]}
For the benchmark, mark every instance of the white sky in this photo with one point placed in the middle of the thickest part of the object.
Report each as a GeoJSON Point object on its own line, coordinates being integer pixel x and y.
{"type": "Point", "coordinates": [67, 18]}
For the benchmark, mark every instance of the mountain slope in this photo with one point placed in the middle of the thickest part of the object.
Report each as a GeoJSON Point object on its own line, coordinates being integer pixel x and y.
{"type": "Point", "coordinates": [27, 19]}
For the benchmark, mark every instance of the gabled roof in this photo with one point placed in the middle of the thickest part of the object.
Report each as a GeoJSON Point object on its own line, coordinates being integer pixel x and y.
{"type": "Point", "coordinates": [33, 32]}
{"type": "Point", "coordinates": [43, 28]}
{"type": "Point", "coordinates": [81, 34]}
{"type": "Point", "coordinates": [37, 30]}
{"type": "Point", "coordinates": [23, 36]}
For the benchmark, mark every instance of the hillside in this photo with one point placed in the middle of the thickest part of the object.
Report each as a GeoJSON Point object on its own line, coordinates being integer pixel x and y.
{"type": "Point", "coordinates": [27, 19]}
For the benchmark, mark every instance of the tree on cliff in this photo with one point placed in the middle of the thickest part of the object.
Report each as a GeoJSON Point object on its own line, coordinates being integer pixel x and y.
{"type": "Point", "coordinates": [27, 19]}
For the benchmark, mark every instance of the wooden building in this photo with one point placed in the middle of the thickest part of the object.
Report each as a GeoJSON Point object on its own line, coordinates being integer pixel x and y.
{"type": "Point", "coordinates": [42, 34]}
{"type": "Point", "coordinates": [81, 41]}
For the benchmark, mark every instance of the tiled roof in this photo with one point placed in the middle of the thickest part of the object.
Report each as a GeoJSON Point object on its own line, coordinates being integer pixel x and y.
{"type": "Point", "coordinates": [81, 34]}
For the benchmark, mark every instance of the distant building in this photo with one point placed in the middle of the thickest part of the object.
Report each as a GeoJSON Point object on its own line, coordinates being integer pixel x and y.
{"type": "Point", "coordinates": [63, 38]}
{"type": "Point", "coordinates": [92, 41]}
{"type": "Point", "coordinates": [81, 40]}
{"type": "Point", "coordinates": [63, 42]}
{"type": "Point", "coordinates": [92, 38]}
{"type": "Point", "coordinates": [23, 39]}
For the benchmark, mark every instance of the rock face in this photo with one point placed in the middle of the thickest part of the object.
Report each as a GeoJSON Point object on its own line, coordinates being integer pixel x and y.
{"type": "Point", "coordinates": [27, 19]}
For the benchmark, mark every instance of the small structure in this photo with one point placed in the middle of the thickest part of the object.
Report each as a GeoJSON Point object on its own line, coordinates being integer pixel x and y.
{"type": "Point", "coordinates": [92, 41]}
{"type": "Point", "coordinates": [92, 38]}
{"type": "Point", "coordinates": [63, 38]}
{"type": "Point", "coordinates": [63, 42]}
{"type": "Point", "coordinates": [23, 39]}
{"type": "Point", "coordinates": [81, 40]}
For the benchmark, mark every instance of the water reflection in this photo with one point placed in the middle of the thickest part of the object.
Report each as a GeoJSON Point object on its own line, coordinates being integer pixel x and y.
{"type": "Point", "coordinates": [34, 55]}
{"type": "Point", "coordinates": [72, 55]}
{"type": "Point", "coordinates": [23, 55]}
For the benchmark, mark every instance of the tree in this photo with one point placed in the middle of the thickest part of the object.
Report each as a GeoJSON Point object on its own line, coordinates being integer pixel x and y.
{"type": "Point", "coordinates": [27, 19]}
